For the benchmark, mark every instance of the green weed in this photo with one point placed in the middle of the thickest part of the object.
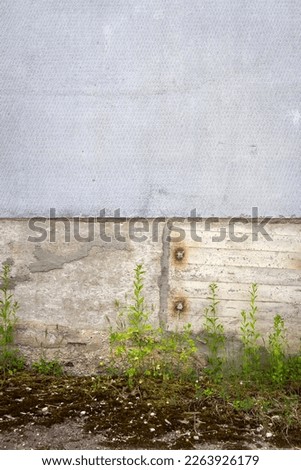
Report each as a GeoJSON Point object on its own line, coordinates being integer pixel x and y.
{"type": "Point", "coordinates": [45, 367]}
{"type": "Point", "coordinates": [293, 366]}
{"type": "Point", "coordinates": [141, 350]}
{"type": "Point", "coordinates": [244, 404]}
{"type": "Point", "coordinates": [134, 340]}
{"type": "Point", "coordinates": [214, 336]}
{"type": "Point", "coordinates": [250, 337]}
{"type": "Point", "coordinates": [176, 354]}
{"type": "Point", "coordinates": [10, 358]}
{"type": "Point", "coordinates": [276, 350]}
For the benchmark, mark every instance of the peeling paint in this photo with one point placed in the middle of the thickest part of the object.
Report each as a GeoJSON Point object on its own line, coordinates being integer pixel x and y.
{"type": "Point", "coordinates": [48, 261]}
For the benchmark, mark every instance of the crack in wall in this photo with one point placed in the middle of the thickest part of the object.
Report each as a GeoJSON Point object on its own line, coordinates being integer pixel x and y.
{"type": "Point", "coordinates": [163, 280]}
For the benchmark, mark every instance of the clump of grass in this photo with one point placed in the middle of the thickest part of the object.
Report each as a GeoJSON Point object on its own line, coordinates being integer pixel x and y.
{"type": "Point", "coordinates": [293, 365]}
{"type": "Point", "coordinates": [176, 352]}
{"type": "Point", "coordinates": [47, 367]}
{"type": "Point", "coordinates": [44, 365]}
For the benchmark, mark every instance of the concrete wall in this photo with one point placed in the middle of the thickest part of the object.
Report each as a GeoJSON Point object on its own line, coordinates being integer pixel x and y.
{"type": "Point", "coordinates": [155, 107]}
{"type": "Point", "coordinates": [69, 287]}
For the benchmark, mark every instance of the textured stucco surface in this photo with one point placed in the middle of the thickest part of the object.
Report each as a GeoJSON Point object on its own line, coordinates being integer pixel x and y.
{"type": "Point", "coordinates": [154, 107]}
{"type": "Point", "coordinates": [69, 287]}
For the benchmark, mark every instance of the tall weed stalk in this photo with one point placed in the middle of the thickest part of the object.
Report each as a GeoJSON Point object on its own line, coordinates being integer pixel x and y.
{"type": "Point", "coordinates": [214, 336]}
{"type": "Point", "coordinates": [250, 337]}
{"type": "Point", "coordinates": [277, 350]}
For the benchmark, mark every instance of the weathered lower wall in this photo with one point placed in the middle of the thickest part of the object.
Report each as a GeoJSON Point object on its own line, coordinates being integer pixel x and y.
{"type": "Point", "coordinates": [68, 285]}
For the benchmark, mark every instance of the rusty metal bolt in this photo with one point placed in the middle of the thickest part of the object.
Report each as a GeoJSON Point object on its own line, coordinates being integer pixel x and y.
{"type": "Point", "coordinates": [179, 306]}
{"type": "Point", "coordinates": [180, 253]}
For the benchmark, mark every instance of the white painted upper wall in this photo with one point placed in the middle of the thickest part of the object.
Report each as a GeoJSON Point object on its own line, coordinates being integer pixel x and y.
{"type": "Point", "coordinates": [155, 107]}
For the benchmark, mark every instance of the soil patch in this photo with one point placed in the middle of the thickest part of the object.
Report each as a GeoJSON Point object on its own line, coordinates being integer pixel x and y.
{"type": "Point", "coordinates": [40, 412]}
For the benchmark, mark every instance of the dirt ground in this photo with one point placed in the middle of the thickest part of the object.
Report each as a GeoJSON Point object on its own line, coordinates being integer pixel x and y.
{"type": "Point", "coordinates": [40, 412]}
